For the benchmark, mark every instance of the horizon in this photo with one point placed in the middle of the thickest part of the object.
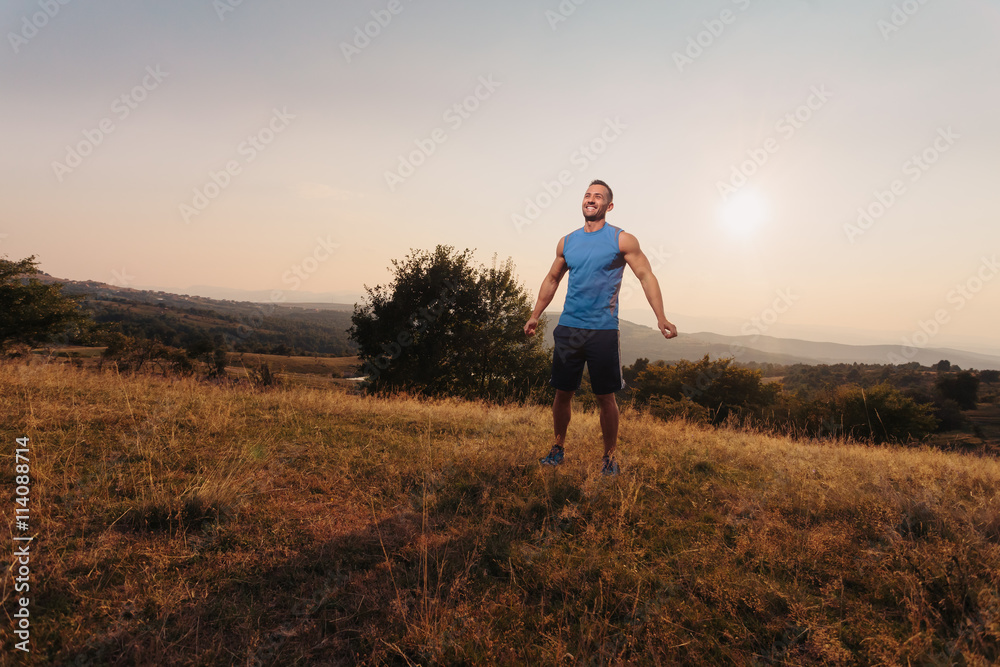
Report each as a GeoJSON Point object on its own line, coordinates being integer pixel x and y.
{"type": "Point", "coordinates": [721, 328]}
{"type": "Point", "coordinates": [770, 175]}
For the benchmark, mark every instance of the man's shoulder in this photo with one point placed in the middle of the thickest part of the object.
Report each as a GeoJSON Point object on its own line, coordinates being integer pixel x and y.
{"type": "Point", "coordinates": [627, 242]}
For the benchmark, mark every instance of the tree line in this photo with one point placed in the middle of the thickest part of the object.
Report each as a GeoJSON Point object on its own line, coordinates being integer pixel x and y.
{"type": "Point", "coordinates": [863, 402]}
{"type": "Point", "coordinates": [444, 325]}
{"type": "Point", "coordinates": [143, 330]}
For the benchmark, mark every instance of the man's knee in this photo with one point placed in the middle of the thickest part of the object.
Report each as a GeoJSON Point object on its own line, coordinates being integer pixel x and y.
{"type": "Point", "coordinates": [563, 396]}
{"type": "Point", "coordinates": [606, 400]}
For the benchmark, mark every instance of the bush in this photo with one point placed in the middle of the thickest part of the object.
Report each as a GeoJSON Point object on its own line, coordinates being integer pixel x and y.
{"type": "Point", "coordinates": [962, 388]}
{"type": "Point", "coordinates": [717, 386]}
{"type": "Point", "coordinates": [883, 414]}
{"type": "Point", "coordinates": [667, 408]}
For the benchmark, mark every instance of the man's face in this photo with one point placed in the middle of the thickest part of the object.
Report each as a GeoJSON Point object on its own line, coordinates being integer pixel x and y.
{"type": "Point", "coordinates": [595, 203]}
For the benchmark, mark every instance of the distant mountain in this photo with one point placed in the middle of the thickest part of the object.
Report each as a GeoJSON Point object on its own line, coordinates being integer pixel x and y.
{"type": "Point", "coordinates": [346, 307]}
{"type": "Point", "coordinates": [321, 327]}
{"type": "Point", "coordinates": [298, 297]}
{"type": "Point", "coordinates": [184, 320]}
{"type": "Point", "coordinates": [640, 341]}
{"type": "Point", "coordinates": [733, 326]}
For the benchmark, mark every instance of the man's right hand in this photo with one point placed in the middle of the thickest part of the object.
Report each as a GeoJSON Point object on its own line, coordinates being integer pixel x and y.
{"type": "Point", "coordinates": [529, 328]}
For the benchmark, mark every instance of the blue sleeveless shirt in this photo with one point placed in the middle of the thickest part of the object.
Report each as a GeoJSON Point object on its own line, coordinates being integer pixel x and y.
{"type": "Point", "coordinates": [596, 267]}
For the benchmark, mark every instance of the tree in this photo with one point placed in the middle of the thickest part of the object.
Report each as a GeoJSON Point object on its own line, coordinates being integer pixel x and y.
{"type": "Point", "coordinates": [445, 326]}
{"type": "Point", "coordinates": [631, 373]}
{"type": "Point", "coordinates": [130, 354]}
{"type": "Point", "coordinates": [33, 312]}
{"type": "Point", "coordinates": [667, 408]}
{"type": "Point", "coordinates": [882, 414]}
{"type": "Point", "coordinates": [716, 385]}
{"type": "Point", "coordinates": [943, 366]}
{"type": "Point", "coordinates": [962, 388]}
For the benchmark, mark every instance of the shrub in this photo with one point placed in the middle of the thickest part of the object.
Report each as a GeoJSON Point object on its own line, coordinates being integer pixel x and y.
{"type": "Point", "coordinates": [883, 414]}
{"type": "Point", "coordinates": [718, 386]}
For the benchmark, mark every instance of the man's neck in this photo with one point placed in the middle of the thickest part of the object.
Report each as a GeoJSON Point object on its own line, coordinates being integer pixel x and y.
{"type": "Point", "coordinates": [594, 226]}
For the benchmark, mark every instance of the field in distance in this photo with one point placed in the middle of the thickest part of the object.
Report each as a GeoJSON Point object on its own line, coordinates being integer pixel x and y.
{"type": "Point", "coordinates": [305, 370]}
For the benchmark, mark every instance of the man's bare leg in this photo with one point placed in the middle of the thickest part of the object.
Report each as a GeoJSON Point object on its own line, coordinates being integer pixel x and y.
{"type": "Point", "coordinates": [609, 422]}
{"type": "Point", "coordinates": [561, 412]}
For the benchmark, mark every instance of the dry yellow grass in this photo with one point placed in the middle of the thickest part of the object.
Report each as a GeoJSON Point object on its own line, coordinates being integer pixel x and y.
{"type": "Point", "coordinates": [179, 522]}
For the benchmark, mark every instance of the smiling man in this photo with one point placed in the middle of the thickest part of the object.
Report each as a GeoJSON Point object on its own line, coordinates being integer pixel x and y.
{"type": "Point", "coordinates": [595, 257]}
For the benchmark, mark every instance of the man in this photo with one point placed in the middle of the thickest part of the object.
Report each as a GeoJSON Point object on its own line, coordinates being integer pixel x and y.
{"type": "Point", "coordinates": [595, 256]}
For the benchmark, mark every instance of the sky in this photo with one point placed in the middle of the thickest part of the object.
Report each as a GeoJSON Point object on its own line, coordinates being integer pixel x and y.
{"type": "Point", "coordinates": [818, 169]}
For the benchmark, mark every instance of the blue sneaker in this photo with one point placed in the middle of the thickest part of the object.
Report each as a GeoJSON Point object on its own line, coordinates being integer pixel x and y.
{"type": "Point", "coordinates": [609, 467]}
{"type": "Point", "coordinates": [554, 458]}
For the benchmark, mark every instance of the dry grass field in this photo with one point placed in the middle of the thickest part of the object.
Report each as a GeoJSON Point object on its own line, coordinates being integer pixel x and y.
{"type": "Point", "coordinates": [313, 372]}
{"type": "Point", "coordinates": [179, 522]}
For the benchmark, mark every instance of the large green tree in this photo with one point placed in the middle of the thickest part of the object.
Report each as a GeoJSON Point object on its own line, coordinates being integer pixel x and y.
{"type": "Point", "coordinates": [444, 326]}
{"type": "Point", "coordinates": [31, 311]}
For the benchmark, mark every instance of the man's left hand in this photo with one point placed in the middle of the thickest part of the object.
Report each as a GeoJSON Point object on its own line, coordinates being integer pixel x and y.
{"type": "Point", "coordinates": [667, 328]}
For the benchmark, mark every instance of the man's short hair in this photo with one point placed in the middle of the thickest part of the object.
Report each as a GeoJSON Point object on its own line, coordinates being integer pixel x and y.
{"type": "Point", "coordinates": [597, 181]}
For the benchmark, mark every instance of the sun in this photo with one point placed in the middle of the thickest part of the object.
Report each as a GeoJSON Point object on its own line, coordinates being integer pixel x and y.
{"type": "Point", "coordinates": [744, 212]}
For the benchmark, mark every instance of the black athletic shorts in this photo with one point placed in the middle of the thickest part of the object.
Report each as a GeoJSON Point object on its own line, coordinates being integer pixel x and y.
{"type": "Point", "coordinates": [600, 349]}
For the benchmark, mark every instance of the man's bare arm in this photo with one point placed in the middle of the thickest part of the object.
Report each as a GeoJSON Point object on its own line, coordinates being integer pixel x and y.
{"type": "Point", "coordinates": [639, 263]}
{"type": "Point", "coordinates": [548, 290]}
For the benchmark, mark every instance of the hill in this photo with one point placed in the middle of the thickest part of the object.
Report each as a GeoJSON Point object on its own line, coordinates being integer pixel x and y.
{"type": "Point", "coordinates": [641, 341]}
{"type": "Point", "coordinates": [185, 522]}
{"type": "Point", "coordinates": [321, 328]}
{"type": "Point", "coordinates": [182, 320]}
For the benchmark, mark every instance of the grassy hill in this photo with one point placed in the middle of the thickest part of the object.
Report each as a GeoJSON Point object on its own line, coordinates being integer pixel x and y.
{"type": "Point", "coordinates": [181, 320]}
{"type": "Point", "coordinates": [179, 522]}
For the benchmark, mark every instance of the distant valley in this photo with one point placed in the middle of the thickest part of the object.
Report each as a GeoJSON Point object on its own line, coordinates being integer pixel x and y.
{"type": "Point", "coordinates": [321, 328]}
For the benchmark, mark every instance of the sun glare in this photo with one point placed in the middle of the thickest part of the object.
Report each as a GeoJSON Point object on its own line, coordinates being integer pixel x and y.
{"type": "Point", "coordinates": [744, 212]}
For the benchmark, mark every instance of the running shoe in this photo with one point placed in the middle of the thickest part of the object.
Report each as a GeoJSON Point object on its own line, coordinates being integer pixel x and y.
{"type": "Point", "coordinates": [554, 458]}
{"type": "Point", "coordinates": [609, 467]}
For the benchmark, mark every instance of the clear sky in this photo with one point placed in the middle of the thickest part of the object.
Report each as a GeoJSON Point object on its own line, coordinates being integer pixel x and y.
{"type": "Point", "coordinates": [234, 144]}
